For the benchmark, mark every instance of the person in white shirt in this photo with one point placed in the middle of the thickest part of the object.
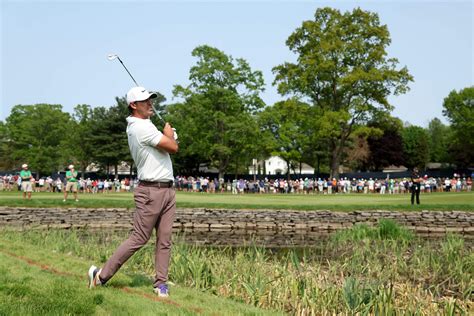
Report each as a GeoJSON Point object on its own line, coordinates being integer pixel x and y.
{"type": "Point", "coordinates": [154, 196]}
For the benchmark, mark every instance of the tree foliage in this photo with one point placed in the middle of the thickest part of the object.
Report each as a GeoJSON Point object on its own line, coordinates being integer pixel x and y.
{"type": "Point", "coordinates": [386, 148]}
{"type": "Point", "coordinates": [35, 133]}
{"type": "Point", "coordinates": [439, 136]}
{"type": "Point", "coordinates": [459, 109]}
{"type": "Point", "coordinates": [218, 110]}
{"type": "Point", "coordinates": [108, 135]}
{"type": "Point", "coordinates": [343, 69]}
{"type": "Point", "coordinates": [415, 147]}
{"type": "Point", "coordinates": [285, 125]}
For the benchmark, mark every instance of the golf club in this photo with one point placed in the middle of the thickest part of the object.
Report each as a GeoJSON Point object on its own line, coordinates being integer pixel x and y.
{"type": "Point", "coordinates": [115, 56]}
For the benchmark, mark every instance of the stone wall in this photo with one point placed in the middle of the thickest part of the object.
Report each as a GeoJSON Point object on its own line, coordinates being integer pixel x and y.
{"type": "Point", "coordinates": [210, 220]}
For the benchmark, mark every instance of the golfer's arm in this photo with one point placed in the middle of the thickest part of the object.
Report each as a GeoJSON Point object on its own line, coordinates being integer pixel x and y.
{"type": "Point", "coordinates": [168, 144]}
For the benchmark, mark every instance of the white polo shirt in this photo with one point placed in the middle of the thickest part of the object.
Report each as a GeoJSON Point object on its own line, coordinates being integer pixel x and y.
{"type": "Point", "coordinates": [153, 164]}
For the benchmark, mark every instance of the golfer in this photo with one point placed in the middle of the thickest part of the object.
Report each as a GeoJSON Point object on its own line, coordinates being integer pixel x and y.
{"type": "Point", "coordinates": [26, 177]}
{"type": "Point", "coordinates": [154, 197]}
{"type": "Point", "coordinates": [415, 186]}
{"type": "Point", "coordinates": [71, 185]}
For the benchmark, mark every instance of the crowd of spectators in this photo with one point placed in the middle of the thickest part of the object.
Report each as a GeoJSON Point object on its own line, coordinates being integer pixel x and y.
{"type": "Point", "coordinates": [48, 184]}
{"type": "Point", "coordinates": [322, 186]}
{"type": "Point", "coordinates": [242, 186]}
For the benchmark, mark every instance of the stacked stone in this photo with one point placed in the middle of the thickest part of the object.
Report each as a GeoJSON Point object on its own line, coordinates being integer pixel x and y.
{"type": "Point", "coordinates": [209, 220]}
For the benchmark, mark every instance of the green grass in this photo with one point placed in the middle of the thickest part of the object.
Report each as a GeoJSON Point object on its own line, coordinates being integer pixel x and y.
{"type": "Point", "coordinates": [379, 270]}
{"type": "Point", "coordinates": [435, 201]}
{"type": "Point", "coordinates": [51, 280]}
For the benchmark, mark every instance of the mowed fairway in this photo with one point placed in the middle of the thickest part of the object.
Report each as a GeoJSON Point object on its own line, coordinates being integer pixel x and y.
{"type": "Point", "coordinates": [344, 202]}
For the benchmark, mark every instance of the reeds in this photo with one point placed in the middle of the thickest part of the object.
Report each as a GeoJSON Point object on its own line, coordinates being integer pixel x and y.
{"type": "Point", "coordinates": [382, 270]}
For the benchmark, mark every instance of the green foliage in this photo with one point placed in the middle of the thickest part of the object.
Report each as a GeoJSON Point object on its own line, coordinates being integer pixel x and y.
{"type": "Point", "coordinates": [218, 110]}
{"type": "Point", "coordinates": [415, 147]}
{"type": "Point", "coordinates": [108, 137]}
{"type": "Point", "coordinates": [385, 230]}
{"type": "Point", "coordinates": [439, 141]}
{"type": "Point", "coordinates": [34, 134]}
{"type": "Point", "coordinates": [343, 69]}
{"type": "Point", "coordinates": [6, 161]}
{"type": "Point", "coordinates": [286, 126]}
{"type": "Point", "coordinates": [386, 148]}
{"type": "Point", "coordinates": [378, 276]}
{"type": "Point", "coordinates": [459, 109]}
{"type": "Point", "coordinates": [77, 147]}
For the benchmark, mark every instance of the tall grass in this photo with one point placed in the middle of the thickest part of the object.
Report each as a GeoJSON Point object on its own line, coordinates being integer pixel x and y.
{"type": "Point", "coordinates": [367, 270]}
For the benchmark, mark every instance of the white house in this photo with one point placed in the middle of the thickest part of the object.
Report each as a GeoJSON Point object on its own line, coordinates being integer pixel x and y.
{"type": "Point", "coordinates": [276, 165]}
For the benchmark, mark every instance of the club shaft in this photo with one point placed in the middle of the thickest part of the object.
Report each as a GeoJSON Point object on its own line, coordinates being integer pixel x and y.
{"type": "Point", "coordinates": [128, 71]}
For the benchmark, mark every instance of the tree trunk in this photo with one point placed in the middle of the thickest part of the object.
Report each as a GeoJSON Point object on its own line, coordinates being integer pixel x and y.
{"type": "Point", "coordinates": [335, 161]}
{"type": "Point", "coordinates": [336, 155]}
{"type": "Point", "coordinates": [116, 170]}
{"type": "Point", "coordinates": [288, 170]}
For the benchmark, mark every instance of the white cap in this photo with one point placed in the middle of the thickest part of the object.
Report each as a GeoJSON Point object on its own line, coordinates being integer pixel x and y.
{"type": "Point", "coordinates": [70, 167]}
{"type": "Point", "coordinates": [139, 94]}
{"type": "Point", "coordinates": [23, 166]}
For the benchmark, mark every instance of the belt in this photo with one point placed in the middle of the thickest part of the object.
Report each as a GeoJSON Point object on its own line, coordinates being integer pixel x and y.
{"type": "Point", "coordinates": [157, 184]}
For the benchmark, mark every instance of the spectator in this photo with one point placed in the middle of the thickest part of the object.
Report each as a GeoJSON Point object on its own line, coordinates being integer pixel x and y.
{"type": "Point", "coordinates": [26, 177]}
{"type": "Point", "coordinates": [71, 185]}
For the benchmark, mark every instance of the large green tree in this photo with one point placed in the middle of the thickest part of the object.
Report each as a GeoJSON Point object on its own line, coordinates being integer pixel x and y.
{"type": "Point", "coordinates": [342, 68]}
{"type": "Point", "coordinates": [415, 147]}
{"type": "Point", "coordinates": [6, 160]}
{"type": "Point", "coordinates": [439, 136]}
{"type": "Point", "coordinates": [286, 126]}
{"type": "Point", "coordinates": [459, 109]}
{"type": "Point", "coordinates": [35, 133]}
{"type": "Point", "coordinates": [218, 110]}
{"type": "Point", "coordinates": [386, 148]}
{"type": "Point", "coordinates": [77, 145]}
{"type": "Point", "coordinates": [109, 137]}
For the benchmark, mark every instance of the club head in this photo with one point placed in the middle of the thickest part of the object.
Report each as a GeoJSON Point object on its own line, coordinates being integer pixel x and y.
{"type": "Point", "coordinates": [112, 56]}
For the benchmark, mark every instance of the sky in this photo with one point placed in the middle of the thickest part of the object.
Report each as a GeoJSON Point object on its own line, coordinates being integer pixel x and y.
{"type": "Point", "coordinates": [55, 51]}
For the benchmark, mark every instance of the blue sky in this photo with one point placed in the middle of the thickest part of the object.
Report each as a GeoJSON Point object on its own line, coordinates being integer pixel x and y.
{"type": "Point", "coordinates": [55, 51]}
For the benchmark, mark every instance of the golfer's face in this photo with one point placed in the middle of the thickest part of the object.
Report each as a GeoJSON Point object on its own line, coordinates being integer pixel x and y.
{"type": "Point", "coordinates": [144, 108]}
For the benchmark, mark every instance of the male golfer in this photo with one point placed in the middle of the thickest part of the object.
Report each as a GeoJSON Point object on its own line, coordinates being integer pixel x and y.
{"type": "Point", "coordinates": [71, 185]}
{"type": "Point", "coordinates": [154, 197]}
{"type": "Point", "coordinates": [26, 177]}
{"type": "Point", "coordinates": [415, 186]}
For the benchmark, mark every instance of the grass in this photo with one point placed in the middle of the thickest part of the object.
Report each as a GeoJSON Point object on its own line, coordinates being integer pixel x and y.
{"type": "Point", "coordinates": [436, 201]}
{"type": "Point", "coordinates": [51, 280]}
{"type": "Point", "coordinates": [381, 270]}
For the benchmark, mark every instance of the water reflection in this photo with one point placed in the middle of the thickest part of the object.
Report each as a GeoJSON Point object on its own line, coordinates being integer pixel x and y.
{"type": "Point", "coordinates": [269, 238]}
{"type": "Point", "coordinates": [265, 238]}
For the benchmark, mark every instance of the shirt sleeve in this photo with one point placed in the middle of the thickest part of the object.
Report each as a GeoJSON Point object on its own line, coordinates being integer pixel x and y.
{"type": "Point", "coordinates": [149, 135]}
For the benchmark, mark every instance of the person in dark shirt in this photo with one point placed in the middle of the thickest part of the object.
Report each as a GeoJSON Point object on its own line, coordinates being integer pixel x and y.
{"type": "Point", "coordinates": [415, 187]}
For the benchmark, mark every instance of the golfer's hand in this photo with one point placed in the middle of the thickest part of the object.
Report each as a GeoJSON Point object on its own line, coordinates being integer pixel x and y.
{"type": "Point", "coordinates": [168, 130]}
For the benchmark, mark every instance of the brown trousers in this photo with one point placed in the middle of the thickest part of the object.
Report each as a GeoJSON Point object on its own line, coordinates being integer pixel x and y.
{"type": "Point", "coordinates": [155, 208]}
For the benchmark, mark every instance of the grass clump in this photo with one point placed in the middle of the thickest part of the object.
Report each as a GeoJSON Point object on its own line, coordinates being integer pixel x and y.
{"type": "Point", "coordinates": [380, 270]}
{"type": "Point", "coordinates": [385, 229]}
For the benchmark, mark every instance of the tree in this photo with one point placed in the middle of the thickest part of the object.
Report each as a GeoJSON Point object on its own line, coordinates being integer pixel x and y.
{"type": "Point", "coordinates": [359, 153]}
{"type": "Point", "coordinates": [415, 147]}
{"type": "Point", "coordinates": [218, 110]}
{"type": "Point", "coordinates": [342, 69]}
{"type": "Point", "coordinates": [285, 125]}
{"type": "Point", "coordinates": [459, 109]}
{"type": "Point", "coordinates": [439, 136]}
{"type": "Point", "coordinates": [6, 160]}
{"type": "Point", "coordinates": [36, 132]}
{"type": "Point", "coordinates": [78, 146]}
{"type": "Point", "coordinates": [386, 148]}
{"type": "Point", "coordinates": [108, 135]}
